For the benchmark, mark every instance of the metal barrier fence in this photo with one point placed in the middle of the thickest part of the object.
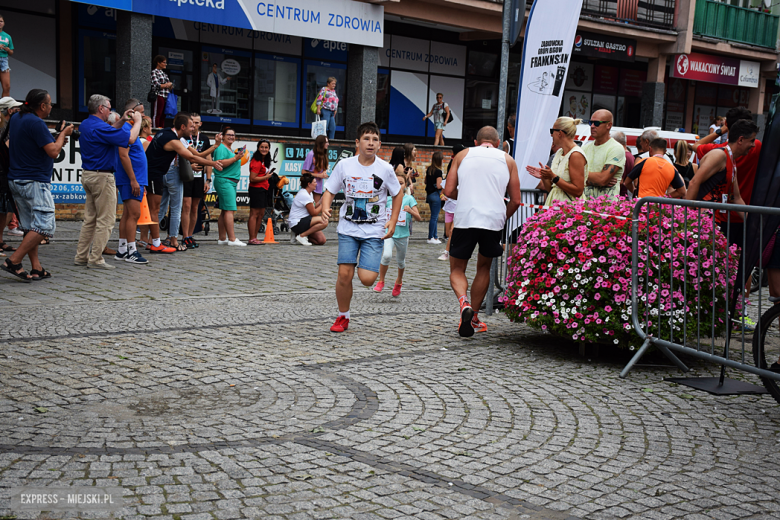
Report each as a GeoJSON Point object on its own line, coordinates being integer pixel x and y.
{"type": "Point", "coordinates": [667, 268]}
{"type": "Point", "coordinates": [498, 269]}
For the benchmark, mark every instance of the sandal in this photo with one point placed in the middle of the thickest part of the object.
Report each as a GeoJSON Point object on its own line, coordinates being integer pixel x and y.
{"type": "Point", "coordinates": [6, 248]}
{"type": "Point", "coordinates": [178, 247]}
{"type": "Point", "coordinates": [46, 241]}
{"type": "Point", "coordinates": [15, 269]}
{"type": "Point", "coordinates": [39, 274]}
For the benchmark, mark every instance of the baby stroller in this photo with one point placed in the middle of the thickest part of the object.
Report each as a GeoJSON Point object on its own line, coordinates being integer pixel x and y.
{"type": "Point", "coordinates": [204, 218]}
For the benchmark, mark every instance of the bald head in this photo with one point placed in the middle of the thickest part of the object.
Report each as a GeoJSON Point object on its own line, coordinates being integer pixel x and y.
{"type": "Point", "coordinates": [600, 125]}
{"type": "Point", "coordinates": [602, 115]}
{"type": "Point", "coordinates": [488, 134]}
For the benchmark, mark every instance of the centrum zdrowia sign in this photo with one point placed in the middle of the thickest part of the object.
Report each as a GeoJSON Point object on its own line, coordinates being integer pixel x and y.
{"type": "Point", "coordinates": [333, 20]}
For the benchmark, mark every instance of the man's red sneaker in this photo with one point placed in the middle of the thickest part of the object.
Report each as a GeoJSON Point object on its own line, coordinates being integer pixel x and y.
{"type": "Point", "coordinates": [464, 327]}
{"type": "Point", "coordinates": [340, 325]}
{"type": "Point", "coordinates": [162, 249]}
{"type": "Point", "coordinates": [478, 326]}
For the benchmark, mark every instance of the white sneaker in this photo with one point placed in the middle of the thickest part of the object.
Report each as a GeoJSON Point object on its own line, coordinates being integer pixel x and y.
{"type": "Point", "coordinates": [303, 240]}
{"type": "Point", "coordinates": [292, 237]}
{"type": "Point", "coordinates": [434, 241]}
{"type": "Point", "coordinates": [444, 256]}
{"type": "Point", "coordinates": [236, 242]}
{"type": "Point", "coordinates": [222, 242]}
{"type": "Point", "coordinates": [15, 232]}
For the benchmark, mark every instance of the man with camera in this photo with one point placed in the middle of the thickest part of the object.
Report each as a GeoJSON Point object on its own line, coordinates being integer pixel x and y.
{"type": "Point", "coordinates": [99, 141]}
{"type": "Point", "coordinates": [32, 150]}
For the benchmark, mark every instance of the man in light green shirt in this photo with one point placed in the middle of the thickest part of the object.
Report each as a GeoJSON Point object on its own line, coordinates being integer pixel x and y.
{"type": "Point", "coordinates": [606, 158]}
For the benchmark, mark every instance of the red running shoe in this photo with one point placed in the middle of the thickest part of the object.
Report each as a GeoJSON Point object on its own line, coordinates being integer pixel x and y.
{"type": "Point", "coordinates": [397, 290]}
{"type": "Point", "coordinates": [477, 325]}
{"type": "Point", "coordinates": [464, 327]}
{"type": "Point", "coordinates": [162, 249]}
{"type": "Point", "coordinates": [340, 325]}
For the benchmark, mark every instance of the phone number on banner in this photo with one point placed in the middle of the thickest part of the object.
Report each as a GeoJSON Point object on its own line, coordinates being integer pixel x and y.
{"type": "Point", "coordinates": [68, 193]}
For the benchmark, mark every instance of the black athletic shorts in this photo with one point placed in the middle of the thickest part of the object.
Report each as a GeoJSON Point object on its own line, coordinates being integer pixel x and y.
{"type": "Point", "coordinates": [260, 198]}
{"type": "Point", "coordinates": [155, 186]}
{"type": "Point", "coordinates": [303, 225]}
{"type": "Point", "coordinates": [465, 240]}
{"type": "Point", "coordinates": [194, 188]}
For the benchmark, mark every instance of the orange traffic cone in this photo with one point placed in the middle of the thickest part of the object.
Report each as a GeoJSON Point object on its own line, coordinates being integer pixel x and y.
{"type": "Point", "coordinates": [269, 233]}
{"type": "Point", "coordinates": [146, 218]}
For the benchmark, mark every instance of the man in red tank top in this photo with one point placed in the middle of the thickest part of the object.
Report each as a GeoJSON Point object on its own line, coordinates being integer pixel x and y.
{"type": "Point", "coordinates": [716, 178]}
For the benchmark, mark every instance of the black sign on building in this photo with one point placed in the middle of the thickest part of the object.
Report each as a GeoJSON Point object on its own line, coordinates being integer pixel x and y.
{"type": "Point", "coordinates": [601, 46]}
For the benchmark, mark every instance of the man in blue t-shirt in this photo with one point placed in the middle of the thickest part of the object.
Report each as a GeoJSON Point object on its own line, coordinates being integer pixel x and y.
{"type": "Point", "coordinates": [131, 182]}
{"type": "Point", "coordinates": [99, 141]}
{"type": "Point", "coordinates": [32, 150]}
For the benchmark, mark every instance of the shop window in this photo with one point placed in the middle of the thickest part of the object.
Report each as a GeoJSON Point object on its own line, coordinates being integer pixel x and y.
{"type": "Point", "coordinates": [224, 89]}
{"type": "Point", "coordinates": [97, 66]}
{"type": "Point", "coordinates": [276, 90]}
{"type": "Point", "coordinates": [676, 96]}
{"type": "Point", "coordinates": [317, 74]}
{"type": "Point", "coordinates": [480, 106]}
{"type": "Point", "coordinates": [382, 99]}
{"type": "Point", "coordinates": [770, 90]}
{"type": "Point", "coordinates": [35, 62]}
{"type": "Point", "coordinates": [180, 72]}
{"type": "Point", "coordinates": [483, 64]}
{"type": "Point", "coordinates": [36, 6]}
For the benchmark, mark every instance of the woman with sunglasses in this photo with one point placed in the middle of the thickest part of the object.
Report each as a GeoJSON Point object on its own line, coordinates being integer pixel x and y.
{"type": "Point", "coordinates": [565, 179]}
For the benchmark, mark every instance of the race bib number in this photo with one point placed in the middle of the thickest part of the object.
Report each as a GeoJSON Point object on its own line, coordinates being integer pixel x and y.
{"type": "Point", "coordinates": [359, 188]}
{"type": "Point", "coordinates": [401, 217]}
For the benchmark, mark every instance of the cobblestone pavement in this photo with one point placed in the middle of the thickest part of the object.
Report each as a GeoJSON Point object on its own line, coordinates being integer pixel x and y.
{"type": "Point", "coordinates": [207, 386]}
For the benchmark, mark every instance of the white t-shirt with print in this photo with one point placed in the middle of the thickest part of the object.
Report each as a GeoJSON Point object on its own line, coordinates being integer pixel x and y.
{"type": "Point", "coordinates": [298, 210]}
{"type": "Point", "coordinates": [366, 188]}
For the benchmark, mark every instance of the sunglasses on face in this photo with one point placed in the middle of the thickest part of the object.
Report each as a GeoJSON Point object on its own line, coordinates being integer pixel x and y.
{"type": "Point", "coordinates": [597, 123]}
{"type": "Point", "coordinates": [553, 130]}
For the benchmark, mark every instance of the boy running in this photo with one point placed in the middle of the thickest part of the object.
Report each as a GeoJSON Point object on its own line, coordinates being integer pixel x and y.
{"type": "Point", "coordinates": [400, 239]}
{"type": "Point", "coordinates": [367, 182]}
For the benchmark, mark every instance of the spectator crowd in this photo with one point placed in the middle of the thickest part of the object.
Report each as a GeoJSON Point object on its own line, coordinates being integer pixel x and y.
{"type": "Point", "coordinates": [165, 177]}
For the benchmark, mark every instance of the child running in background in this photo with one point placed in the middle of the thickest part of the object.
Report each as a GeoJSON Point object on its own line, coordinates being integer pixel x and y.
{"type": "Point", "coordinates": [399, 240]}
{"type": "Point", "coordinates": [449, 215]}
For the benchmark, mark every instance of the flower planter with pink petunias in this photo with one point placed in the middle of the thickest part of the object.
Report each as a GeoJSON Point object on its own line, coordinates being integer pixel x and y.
{"type": "Point", "coordinates": [570, 272]}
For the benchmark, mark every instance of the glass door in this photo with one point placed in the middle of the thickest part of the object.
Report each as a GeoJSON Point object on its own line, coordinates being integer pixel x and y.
{"type": "Point", "coordinates": [179, 70]}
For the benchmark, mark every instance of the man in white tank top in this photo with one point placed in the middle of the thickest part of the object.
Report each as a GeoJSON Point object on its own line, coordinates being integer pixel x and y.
{"type": "Point", "coordinates": [478, 179]}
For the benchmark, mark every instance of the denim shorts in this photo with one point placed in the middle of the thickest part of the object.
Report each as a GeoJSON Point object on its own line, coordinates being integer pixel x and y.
{"type": "Point", "coordinates": [35, 205]}
{"type": "Point", "coordinates": [4, 65]}
{"type": "Point", "coordinates": [370, 250]}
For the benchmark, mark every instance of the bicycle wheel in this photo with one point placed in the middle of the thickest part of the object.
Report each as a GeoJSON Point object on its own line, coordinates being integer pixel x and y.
{"type": "Point", "coordinates": [755, 280]}
{"type": "Point", "coordinates": [766, 346]}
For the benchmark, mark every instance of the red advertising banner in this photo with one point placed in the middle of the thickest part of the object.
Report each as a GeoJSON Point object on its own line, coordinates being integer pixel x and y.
{"type": "Point", "coordinates": [705, 67]}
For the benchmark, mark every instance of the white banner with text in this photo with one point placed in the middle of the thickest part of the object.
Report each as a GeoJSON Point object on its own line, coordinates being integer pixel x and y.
{"type": "Point", "coordinates": [547, 48]}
